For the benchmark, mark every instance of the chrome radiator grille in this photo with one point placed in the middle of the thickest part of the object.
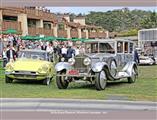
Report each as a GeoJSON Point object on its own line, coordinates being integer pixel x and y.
{"type": "Point", "coordinates": [79, 65]}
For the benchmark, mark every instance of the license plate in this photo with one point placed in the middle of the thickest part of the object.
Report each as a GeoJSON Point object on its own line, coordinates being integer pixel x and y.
{"type": "Point", "coordinates": [73, 72]}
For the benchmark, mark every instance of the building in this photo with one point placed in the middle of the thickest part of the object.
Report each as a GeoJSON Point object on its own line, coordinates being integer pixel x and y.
{"type": "Point", "coordinates": [39, 21]}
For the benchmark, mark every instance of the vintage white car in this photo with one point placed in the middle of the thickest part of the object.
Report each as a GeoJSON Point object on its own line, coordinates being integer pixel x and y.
{"type": "Point", "coordinates": [104, 60]}
{"type": "Point", "coordinates": [146, 60]}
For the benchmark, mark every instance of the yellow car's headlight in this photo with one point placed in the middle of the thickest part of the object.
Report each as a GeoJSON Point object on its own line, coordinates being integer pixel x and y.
{"type": "Point", "coordinates": [43, 69]}
{"type": "Point", "coordinates": [9, 67]}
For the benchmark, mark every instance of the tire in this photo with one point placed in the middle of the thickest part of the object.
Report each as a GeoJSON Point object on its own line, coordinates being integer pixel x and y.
{"type": "Point", "coordinates": [47, 81]}
{"type": "Point", "coordinates": [132, 79]}
{"type": "Point", "coordinates": [112, 66]}
{"type": "Point", "coordinates": [60, 81]}
{"type": "Point", "coordinates": [8, 80]}
{"type": "Point", "coordinates": [100, 80]}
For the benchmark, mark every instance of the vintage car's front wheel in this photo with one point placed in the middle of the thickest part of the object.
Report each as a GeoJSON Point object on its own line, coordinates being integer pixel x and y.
{"type": "Point", "coordinates": [100, 80]}
{"type": "Point", "coordinates": [132, 79]}
{"type": "Point", "coordinates": [8, 80]}
{"type": "Point", "coordinates": [60, 80]}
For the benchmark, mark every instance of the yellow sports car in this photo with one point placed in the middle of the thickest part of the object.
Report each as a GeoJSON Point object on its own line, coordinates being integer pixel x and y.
{"type": "Point", "coordinates": [31, 65]}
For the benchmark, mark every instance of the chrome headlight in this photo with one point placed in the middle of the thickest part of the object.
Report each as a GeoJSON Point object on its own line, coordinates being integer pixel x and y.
{"type": "Point", "coordinates": [71, 61]}
{"type": "Point", "coordinates": [62, 59]}
{"type": "Point", "coordinates": [87, 61]}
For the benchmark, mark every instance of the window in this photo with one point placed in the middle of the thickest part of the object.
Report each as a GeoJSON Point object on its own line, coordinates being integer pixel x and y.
{"type": "Point", "coordinates": [106, 48]}
{"type": "Point", "coordinates": [61, 26]}
{"type": "Point", "coordinates": [131, 48]}
{"type": "Point", "coordinates": [47, 26]}
{"type": "Point", "coordinates": [126, 50]}
{"type": "Point", "coordinates": [92, 48]}
{"type": "Point", "coordinates": [10, 18]}
{"type": "Point", "coordinates": [119, 47]}
{"type": "Point", "coordinates": [31, 23]}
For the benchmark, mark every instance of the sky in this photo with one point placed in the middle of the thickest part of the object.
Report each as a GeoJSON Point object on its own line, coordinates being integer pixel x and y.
{"type": "Point", "coordinates": [86, 10]}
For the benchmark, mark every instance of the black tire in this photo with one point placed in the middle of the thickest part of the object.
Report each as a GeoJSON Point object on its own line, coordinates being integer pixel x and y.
{"type": "Point", "coordinates": [100, 83]}
{"type": "Point", "coordinates": [47, 81]}
{"type": "Point", "coordinates": [133, 78]}
{"type": "Point", "coordinates": [113, 71]}
{"type": "Point", "coordinates": [60, 81]}
{"type": "Point", "coordinates": [8, 80]}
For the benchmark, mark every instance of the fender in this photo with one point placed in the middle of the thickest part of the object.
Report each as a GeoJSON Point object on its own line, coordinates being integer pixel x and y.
{"type": "Point", "coordinates": [97, 67]}
{"type": "Point", "coordinates": [129, 67]}
{"type": "Point", "coordinates": [61, 66]}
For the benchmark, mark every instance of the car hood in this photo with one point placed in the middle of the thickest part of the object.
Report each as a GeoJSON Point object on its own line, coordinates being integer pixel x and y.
{"type": "Point", "coordinates": [28, 64]}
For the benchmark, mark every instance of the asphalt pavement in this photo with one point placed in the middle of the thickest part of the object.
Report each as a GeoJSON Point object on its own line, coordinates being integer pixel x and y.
{"type": "Point", "coordinates": [76, 109]}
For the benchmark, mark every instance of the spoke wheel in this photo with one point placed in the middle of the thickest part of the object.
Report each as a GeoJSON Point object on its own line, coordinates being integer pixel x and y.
{"type": "Point", "coordinates": [112, 66]}
{"type": "Point", "coordinates": [101, 80]}
{"type": "Point", "coordinates": [133, 77]}
{"type": "Point", "coordinates": [60, 80]}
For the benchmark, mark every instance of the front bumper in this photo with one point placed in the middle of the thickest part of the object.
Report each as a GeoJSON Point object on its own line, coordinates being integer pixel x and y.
{"type": "Point", "coordinates": [26, 76]}
{"type": "Point", "coordinates": [81, 75]}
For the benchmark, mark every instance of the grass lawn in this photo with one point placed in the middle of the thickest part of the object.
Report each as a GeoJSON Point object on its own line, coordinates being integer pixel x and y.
{"type": "Point", "coordinates": [144, 88]}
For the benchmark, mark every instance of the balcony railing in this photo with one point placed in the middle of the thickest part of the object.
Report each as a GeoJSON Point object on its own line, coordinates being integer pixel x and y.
{"type": "Point", "coordinates": [39, 14]}
{"type": "Point", "coordinates": [93, 35]}
{"type": "Point", "coordinates": [62, 33]}
{"type": "Point", "coordinates": [11, 25]}
{"type": "Point", "coordinates": [40, 31]}
{"type": "Point", "coordinates": [101, 35]}
{"type": "Point", "coordinates": [74, 33]}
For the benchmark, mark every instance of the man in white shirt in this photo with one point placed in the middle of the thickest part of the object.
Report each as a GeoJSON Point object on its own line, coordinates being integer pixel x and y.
{"type": "Point", "coordinates": [77, 51]}
{"type": "Point", "coordinates": [64, 51]}
{"type": "Point", "coordinates": [49, 48]}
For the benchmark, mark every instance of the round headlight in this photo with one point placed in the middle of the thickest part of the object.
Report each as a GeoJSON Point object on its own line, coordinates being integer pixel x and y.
{"type": "Point", "coordinates": [9, 67]}
{"type": "Point", "coordinates": [62, 59]}
{"type": "Point", "coordinates": [71, 61]}
{"type": "Point", "coordinates": [87, 61]}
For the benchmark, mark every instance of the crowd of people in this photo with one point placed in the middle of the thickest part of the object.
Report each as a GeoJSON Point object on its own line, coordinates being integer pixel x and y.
{"type": "Point", "coordinates": [12, 44]}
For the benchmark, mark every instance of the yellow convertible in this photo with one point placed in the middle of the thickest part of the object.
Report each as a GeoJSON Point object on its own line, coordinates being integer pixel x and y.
{"type": "Point", "coordinates": [30, 65]}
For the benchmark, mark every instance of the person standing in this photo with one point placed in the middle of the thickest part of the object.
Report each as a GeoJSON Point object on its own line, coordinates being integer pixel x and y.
{"type": "Point", "coordinates": [49, 48]}
{"type": "Point", "coordinates": [4, 56]}
{"type": "Point", "coordinates": [136, 57]}
{"type": "Point", "coordinates": [43, 47]}
{"type": "Point", "coordinates": [70, 53]}
{"type": "Point", "coordinates": [77, 51]}
{"type": "Point", "coordinates": [64, 51]}
{"type": "Point", "coordinates": [11, 54]}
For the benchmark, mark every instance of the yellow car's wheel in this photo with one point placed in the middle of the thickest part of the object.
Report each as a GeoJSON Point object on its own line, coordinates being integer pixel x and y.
{"type": "Point", "coordinates": [47, 81]}
{"type": "Point", "coordinates": [8, 80]}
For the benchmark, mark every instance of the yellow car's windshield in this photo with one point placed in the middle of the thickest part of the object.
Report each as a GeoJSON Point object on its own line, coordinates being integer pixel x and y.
{"type": "Point", "coordinates": [32, 55]}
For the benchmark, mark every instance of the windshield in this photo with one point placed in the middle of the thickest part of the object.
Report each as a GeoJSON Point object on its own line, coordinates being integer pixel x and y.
{"type": "Point", "coordinates": [32, 55]}
{"type": "Point", "coordinates": [108, 47]}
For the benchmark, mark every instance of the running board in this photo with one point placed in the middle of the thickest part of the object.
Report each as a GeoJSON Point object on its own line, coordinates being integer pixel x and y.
{"type": "Point", "coordinates": [122, 75]}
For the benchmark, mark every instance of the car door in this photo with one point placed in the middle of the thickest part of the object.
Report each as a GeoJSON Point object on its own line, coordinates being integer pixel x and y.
{"type": "Point", "coordinates": [128, 51]}
{"type": "Point", "coordinates": [120, 53]}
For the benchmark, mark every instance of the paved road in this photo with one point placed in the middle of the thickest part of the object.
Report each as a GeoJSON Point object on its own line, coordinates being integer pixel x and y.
{"type": "Point", "coordinates": [59, 109]}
